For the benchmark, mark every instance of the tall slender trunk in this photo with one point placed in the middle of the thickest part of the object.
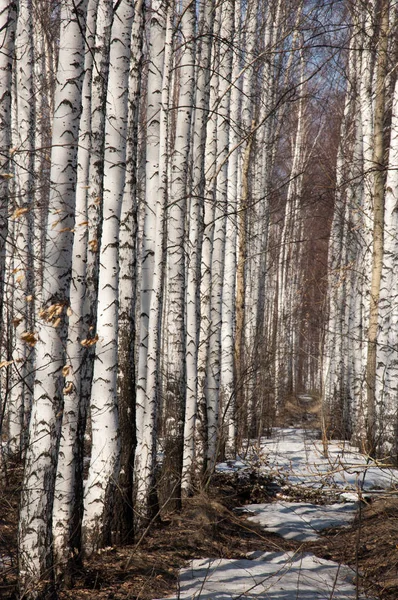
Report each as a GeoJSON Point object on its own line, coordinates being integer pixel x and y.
{"type": "Point", "coordinates": [226, 19]}
{"type": "Point", "coordinates": [8, 14]}
{"type": "Point", "coordinates": [21, 389]}
{"type": "Point", "coordinates": [105, 451]}
{"type": "Point", "coordinates": [35, 522]}
{"type": "Point", "coordinates": [378, 224]}
{"type": "Point", "coordinates": [152, 267]}
{"type": "Point", "coordinates": [124, 513]}
{"type": "Point", "coordinates": [194, 243]}
{"type": "Point", "coordinates": [68, 497]}
{"type": "Point", "coordinates": [175, 321]}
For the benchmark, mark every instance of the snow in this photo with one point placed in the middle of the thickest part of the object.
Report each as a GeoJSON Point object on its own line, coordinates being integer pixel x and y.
{"type": "Point", "coordinates": [267, 576]}
{"type": "Point", "coordinates": [295, 458]}
{"type": "Point", "coordinates": [300, 521]}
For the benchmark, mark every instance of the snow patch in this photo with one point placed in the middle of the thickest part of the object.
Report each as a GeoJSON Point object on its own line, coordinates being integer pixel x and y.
{"type": "Point", "coordinates": [300, 521]}
{"type": "Point", "coordinates": [268, 576]}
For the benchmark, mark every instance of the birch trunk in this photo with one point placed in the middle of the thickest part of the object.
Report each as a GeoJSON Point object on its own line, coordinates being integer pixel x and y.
{"type": "Point", "coordinates": [195, 240]}
{"type": "Point", "coordinates": [21, 389]}
{"type": "Point", "coordinates": [152, 261]}
{"type": "Point", "coordinates": [378, 224]}
{"type": "Point", "coordinates": [175, 322]}
{"type": "Point", "coordinates": [227, 378]}
{"type": "Point", "coordinates": [123, 516]}
{"type": "Point", "coordinates": [366, 33]}
{"type": "Point", "coordinates": [386, 381]}
{"type": "Point", "coordinates": [105, 451]}
{"type": "Point", "coordinates": [35, 534]}
{"type": "Point", "coordinates": [207, 246]}
{"type": "Point", "coordinates": [68, 498]}
{"type": "Point", "coordinates": [8, 17]}
{"type": "Point", "coordinates": [226, 19]}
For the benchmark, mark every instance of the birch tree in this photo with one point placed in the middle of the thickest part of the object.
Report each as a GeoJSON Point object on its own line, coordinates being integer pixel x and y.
{"type": "Point", "coordinates": [22, 214]}
{"type": "Point", "coordinates": [8, 16]}
{"type": "Point", "coordinates": [105, 452]}
{"type": "Point", "coordinates": [175, 322]}
{"type": "Point", "coordinates": [68, 498]}
{"type": "Point", "coordinates": [386, 392]}
{"type": "Point", "coordinates": [378, 222]}
{"type": "Point", "coordinates": [35, 534]}
{"type": "Point", "coordinates": [152, 255]}
{"type": "Point", "coordinates": [195, 234]}
{"type": "Point", "coordinates": [123, 516]}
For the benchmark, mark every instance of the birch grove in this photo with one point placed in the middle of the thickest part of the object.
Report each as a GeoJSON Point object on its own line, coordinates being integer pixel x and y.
{"type": "Point", "coordinates": [197, 223]}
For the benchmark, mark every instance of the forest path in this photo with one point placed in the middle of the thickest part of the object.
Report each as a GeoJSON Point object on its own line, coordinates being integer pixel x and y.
{"type": "Point", "coordinates": [333, 481]}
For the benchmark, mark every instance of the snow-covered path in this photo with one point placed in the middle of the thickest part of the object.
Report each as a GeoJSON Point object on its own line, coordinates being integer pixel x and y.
{"type": "Point", "coordinates": [297, 456]}
{"type": "Point", "coordinates": [297, 459]}
{"type": "Point", "coordinates": [267, 576]}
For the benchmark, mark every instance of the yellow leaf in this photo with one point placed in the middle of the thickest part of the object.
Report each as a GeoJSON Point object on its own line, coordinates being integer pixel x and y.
{"type": "Point", "coordinates": [6, 175]}
{"type": "Point", "coordinates": [18, 212]}
{"type": "Point", "coordinates": [57, 322]}
{"type": "Point", "coordinates": [16, 321]}
{"type": "Point", "coordinates": [29, 298]}
{"type": "Point", "coordinates": [66, 370]}
{"type": "Point", "coordinates": [68, 389]}
{"type": "Point", "coordinates": [89, 342]}
{"type": "Point", "coordinates": [83, 223]}
{"type": "Point", "coordinates": [93, 245]}
{"type": "Point", "coordinates": [20, 278]}
{"type": "Point", "coordinates": [5, 363]}
{"type": "Point", "coordinates": [52, 312]}
{"type": "Point", "coordinates": [29, 337]}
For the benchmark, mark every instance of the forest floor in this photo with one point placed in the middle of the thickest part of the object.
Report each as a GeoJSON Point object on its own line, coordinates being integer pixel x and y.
{"type": "Point", "coordinates": [209, 526]}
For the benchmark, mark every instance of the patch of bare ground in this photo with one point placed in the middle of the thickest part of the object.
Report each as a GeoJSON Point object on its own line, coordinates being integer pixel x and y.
{"type": "Point", "coordinates": [208, 527]}
{"type": "Point", "coordinates": [370, 546]}
{"type": "Point", "coordinates": [300, 411]}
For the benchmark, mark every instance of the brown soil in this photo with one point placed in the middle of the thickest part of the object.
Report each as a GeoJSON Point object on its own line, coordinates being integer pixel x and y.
{"type": "Point", "coordinates": [208, 527]}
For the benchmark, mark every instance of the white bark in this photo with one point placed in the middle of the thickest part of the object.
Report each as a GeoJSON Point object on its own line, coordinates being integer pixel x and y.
{"type": "Point", "coordinates": [68, 500]}
{"type": "Point", "coordinates": [146, 447]}
{"type": "Point", "coordinates": [195, 240]}
{"type": "Point", "coordinates": [386, 382]}
{"type": "Point", "coordinates": [7, 38]}
{"type": "Point", "coordinates": [35, 536]}
{"type": "Point", "coordinates": [124, 511]}
{"type": "Point", "coordinates": [210, 167]}
{"type": "Point", "coordinates": [104, 463]}
{"type": "Point", "coordinates": [226, 19]}
{"type": "Point", "coordinates": [227, 381]}
{"type": "Point", "coordinates": [174, 367]}
{"type": "Point", "coordinates": [153, 107]}
{"type": "Point", "coordinates": [99, 86]}
{"type": "Point", "coordinates": [364, 258]}
{"type": "Point", "coordinates": [21, 389]}
{"type": "Point", "coordinates": [335, 388]}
